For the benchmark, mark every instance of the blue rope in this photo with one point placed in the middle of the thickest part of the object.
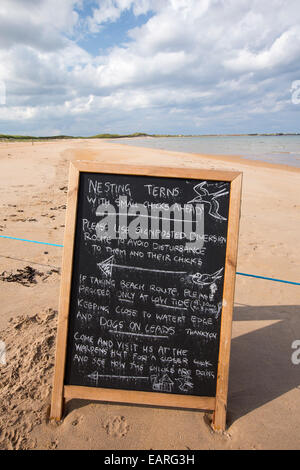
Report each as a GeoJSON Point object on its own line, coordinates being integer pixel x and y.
{"type": "Point", "coordinates": [269, 279]}
{"type": "Point", "coordinates": [31, 241]}
{"type": "Point", "coordinates": [240, 274]}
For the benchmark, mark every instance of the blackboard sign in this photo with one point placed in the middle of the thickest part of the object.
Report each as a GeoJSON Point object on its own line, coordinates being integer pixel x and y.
{"type": "Point", "coordinates": [143, 296]}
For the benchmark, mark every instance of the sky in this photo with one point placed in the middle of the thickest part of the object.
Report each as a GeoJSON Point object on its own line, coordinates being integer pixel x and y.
{"type": "Point", "coordinates": [84, 67]}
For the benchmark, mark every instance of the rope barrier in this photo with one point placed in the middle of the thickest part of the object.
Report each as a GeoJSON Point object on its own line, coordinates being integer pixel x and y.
{"type": "Point", "coordinates": [31, 241]}
{"type": "Point", "coordinates": [269, 279]}
{"type": "Point", "coordinates": [238, 273]}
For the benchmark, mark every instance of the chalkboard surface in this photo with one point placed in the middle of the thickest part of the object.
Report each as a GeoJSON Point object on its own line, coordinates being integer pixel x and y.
{"type": "Point", "coordinates": [145, 313]}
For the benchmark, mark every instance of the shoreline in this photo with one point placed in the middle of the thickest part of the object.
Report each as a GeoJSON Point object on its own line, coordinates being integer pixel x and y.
{"type": "Point", "coordinates": [255, 163]}
{"type": "Point", "coordinates": [240, 159]}
{"type": "Point", "coordinates": [230, 158]}
{"type": "Point", "coordinates": [225, 157]}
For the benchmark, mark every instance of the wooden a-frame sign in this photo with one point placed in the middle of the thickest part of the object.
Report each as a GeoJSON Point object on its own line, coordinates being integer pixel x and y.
{"type": "Point", "coordinates": [216, 404]}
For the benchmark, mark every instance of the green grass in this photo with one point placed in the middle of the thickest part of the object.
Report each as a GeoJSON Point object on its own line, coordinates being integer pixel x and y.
{"type": "Point", "coordinates": [61, 137]}
{"type": "Point", "coordinates": [29, 137]}
{"type": "Point", "coordinates": [24, 138]}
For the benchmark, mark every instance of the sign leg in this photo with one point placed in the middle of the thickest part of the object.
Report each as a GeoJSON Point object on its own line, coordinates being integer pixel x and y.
{"type": "Point", "coordinates": [219, 417]}
{"type": "Point", "coordinates": [57, 405]}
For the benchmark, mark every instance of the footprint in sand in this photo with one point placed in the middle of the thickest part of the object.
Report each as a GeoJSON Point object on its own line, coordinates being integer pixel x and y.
{"type": "Point", "coordinates": [77, 420]}
{"type": "Point", "coordinates": [53, 444]}
{"type": "Point", "coordinates": [116, 426]}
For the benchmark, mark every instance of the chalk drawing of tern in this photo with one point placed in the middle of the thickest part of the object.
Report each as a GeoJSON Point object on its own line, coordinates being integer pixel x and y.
{"type": "Point", "coordinates": [205, 197]}
{"type": "Point", "coordinates": [206, 279]}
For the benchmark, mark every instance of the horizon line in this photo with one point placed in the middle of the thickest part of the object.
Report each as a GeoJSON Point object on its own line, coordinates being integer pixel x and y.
{"type": "Point", "coordinates": [142, 134]}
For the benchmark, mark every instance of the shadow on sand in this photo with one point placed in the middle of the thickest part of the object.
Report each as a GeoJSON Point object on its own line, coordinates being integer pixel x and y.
{"type": "Point", "coordinates": [261, 368]}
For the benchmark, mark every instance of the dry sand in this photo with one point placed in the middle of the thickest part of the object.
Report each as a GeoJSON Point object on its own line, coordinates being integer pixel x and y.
{"type": "Point", "coordinates": [264, 392]}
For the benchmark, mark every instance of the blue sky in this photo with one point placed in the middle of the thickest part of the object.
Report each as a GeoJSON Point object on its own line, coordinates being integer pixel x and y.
{"type": "Point", "coordinates": [111, 33]}
{"type": "Point", "coordinates": [83, 67]}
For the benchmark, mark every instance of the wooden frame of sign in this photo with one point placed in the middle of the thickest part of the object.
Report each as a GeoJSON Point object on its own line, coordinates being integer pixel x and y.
{"type": "Point", "coordinates": [217, 404]}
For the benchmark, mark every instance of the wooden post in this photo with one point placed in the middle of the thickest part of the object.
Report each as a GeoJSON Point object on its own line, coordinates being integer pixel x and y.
{"type": "Point", "coordinates": [219, 417]}
{"type": "Point", "coordinates": [64, 300]}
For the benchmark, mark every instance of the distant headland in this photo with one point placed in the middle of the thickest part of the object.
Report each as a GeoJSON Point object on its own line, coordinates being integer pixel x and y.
{"type": "Point", "coordinates": [9, 137]}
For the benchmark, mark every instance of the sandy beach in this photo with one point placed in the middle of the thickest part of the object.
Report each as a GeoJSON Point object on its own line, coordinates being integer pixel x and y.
{"type": "Point", "coordinates": [264, 386]}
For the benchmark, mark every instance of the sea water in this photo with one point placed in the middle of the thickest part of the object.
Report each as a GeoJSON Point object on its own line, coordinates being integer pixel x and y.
{"type": "Point", "coordinates": [282, 149]}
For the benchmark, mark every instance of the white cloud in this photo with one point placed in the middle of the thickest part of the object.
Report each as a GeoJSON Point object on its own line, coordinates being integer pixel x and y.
{"type": "Point", "coordinates": [38, 23]}
{"type": "Point", "coordinates": [282, 51]}
{"type": "Point", "coordinates": [193, 65]}
{"type": "Point", "coordinates": [111, 10]}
